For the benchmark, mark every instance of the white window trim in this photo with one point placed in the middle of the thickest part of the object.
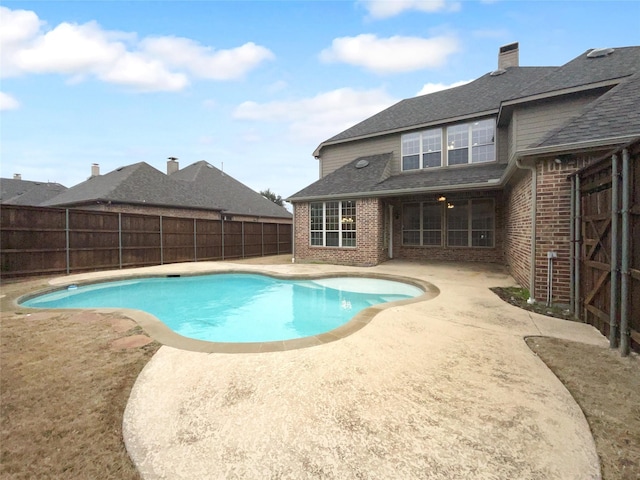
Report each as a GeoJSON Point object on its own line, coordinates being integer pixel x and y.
{"type": "Point", "coordinates": [444, 151]}
{"type": "Point", "coordinates": [340, 230]}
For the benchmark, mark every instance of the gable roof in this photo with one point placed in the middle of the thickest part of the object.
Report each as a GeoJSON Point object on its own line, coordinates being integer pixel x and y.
{"type": "Point", "coordinates": [616, 114]}
{"type": "Point", "coordinates": [24, 192]}
{"type": "Point", "coordinates": [374, 180]}
{"type": "Point", "coordinates": [487, 94]}
{"type": "Point", "coordinates": [230, 195]}
{"type": "Point", "coordinates": [482, 95]}
{"type": "Point", "coordinates": [199, 186]}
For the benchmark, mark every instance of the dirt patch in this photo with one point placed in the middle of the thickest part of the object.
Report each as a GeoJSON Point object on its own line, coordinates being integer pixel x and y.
{"type": "Point", "coordinates": [606, 386]}
{"type": "Point", "coordinates": [603, 383]}
{"type": "Point", "coordinates": [63, 392]}
{"type": "Point", "coordinates": [518, 296]}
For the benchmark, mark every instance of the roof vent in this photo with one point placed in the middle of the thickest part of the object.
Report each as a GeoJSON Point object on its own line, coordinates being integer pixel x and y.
{"type": "Point", "coordinates": [362, 163]}
{"type": "Point", "coordinates": [500, 71]}
{"type": "Point", "coordinates": [600, 52]}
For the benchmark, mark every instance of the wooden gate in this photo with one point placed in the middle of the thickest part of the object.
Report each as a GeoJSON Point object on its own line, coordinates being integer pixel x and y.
{"type": "Point", "coordinates": [598, 199]}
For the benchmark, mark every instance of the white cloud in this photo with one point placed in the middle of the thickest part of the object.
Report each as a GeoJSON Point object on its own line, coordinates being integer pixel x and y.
{"type": "Point", "coordinates": [205, 62]}
{"type": "Point", "coordinates": [318, 117]}
{"type": "Point", "coordinates": [436, 87]}
{"type": "Point", "coordinates": [7, 102]}
{"type": "Point", "coordinates": [391, 8]}
{"type": "Point", "coordinates": [393, 54]}
{"type": "Point", "coordinates": [81, 51]}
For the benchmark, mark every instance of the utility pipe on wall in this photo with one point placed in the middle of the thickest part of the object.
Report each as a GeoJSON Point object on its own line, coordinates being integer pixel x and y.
{"type": "Point", "coordinates": [577, 244]}
{"type": "Point", "coordinates": [390, 231]}
{"type": "Point", "coordinates": [613, 306]}
{"type": "Point", "coordinates": [625, 273]}
{"type": "Point", "coordinates": [534, 189]}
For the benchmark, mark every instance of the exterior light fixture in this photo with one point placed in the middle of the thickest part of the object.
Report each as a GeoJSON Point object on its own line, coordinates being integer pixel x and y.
{"type": "Point", "coordinates": [442, 198]}
{"type": "Point", "coordinates": [450, 205]}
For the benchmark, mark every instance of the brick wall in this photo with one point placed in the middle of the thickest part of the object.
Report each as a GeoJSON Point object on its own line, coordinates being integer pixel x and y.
{"type": "Point", "coordinates": [518, 227]}
{"type": "Point", "coordinates": [553, 226]}
{"type": "Point", "coordinates": [369, 237]}
{"type": "Point", "coordinates": [372, 235]}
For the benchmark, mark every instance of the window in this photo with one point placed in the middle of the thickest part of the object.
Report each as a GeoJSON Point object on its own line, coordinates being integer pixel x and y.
{"type": "Point", "coordinates": [333, 224]}
{"type": "Point", "coordinates": [469, 223]}
{"type": "Point", "coordinates": [422, 149]}
{"type": "Point", "coordinates": [466, 143]}
{"type": "Point", "coordinates": [422, 224]}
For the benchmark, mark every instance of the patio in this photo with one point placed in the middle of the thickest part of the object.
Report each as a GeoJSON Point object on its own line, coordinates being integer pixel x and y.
{"type": "Point", "coordinates": [444, 388]}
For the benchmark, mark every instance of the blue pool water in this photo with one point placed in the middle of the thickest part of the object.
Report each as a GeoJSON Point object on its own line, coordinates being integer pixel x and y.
{"type": "Point", "coordinates": [237, 307]}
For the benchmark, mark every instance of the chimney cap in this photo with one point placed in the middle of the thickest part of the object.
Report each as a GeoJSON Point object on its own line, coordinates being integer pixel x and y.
{"type": "Point", "coordinates": [17, 176]}
{"type": "Point", "coordinates": [509, 47]}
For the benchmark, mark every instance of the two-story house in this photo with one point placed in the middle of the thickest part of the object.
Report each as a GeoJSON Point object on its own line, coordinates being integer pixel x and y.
{"type": "Point", "coordinates": [473, 173]}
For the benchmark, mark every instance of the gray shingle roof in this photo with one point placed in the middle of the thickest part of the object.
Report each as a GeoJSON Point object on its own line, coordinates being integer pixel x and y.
{"type": "Point", "coordinates": [197, 186]}
{"type": "Point", "coordinates": [481, 95]}
{"type": "Point", "coordinates": [615, 114]}
{"type": "Point", "coordinates": [488, 92]}
{"type": "Point", "coordinates": [230, 195]}
{"type": "Point", "coordinates": [25, 192]}
{"type": "Point", "coordinates": [582, 70]}
{"type": "Point", "coordinates": [373, 179]}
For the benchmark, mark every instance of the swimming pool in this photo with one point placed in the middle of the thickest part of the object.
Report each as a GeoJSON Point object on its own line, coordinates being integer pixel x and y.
{"type": "Point", "coordinates": [236, 307]}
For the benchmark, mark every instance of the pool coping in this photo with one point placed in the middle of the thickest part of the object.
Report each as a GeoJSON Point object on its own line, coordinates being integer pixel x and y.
{"type": "Point", "coordinates": [160, 332]}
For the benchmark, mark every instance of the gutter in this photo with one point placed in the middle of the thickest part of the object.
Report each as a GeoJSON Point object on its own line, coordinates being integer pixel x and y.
{"type": "Point", "coordinates": [534, 208]}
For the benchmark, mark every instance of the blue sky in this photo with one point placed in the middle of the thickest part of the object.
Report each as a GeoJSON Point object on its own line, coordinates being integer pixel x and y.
{"type": "Point", "coordinates": [251, 87]}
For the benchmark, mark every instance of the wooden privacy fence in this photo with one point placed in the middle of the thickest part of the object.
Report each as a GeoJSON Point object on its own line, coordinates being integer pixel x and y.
{"type": "Point", "coordinates": [40, 240]}
{"type": "Point", "coordinates": [606, 231]}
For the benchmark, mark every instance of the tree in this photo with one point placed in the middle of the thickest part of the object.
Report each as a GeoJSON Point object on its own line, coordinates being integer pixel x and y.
{"type": "Point", "coordinates": [269, 195]}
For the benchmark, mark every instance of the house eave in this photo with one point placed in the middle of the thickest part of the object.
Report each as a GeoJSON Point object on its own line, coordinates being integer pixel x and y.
{"type": "Point", "coordinates": [576, 146]}
{"type": "Point", "coordinates": [490, 185]}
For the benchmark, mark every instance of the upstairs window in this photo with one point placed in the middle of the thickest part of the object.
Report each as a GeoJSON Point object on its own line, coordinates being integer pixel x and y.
{"type": "Point", "coordinates": [466, 143]}
{"type": "Point", "coordinates": [422, 149]}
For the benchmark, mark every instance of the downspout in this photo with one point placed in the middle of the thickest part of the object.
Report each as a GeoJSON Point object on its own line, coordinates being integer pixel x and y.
{"type": "Point", "coordinates": [390, 231]}
{"type": "Point", "coordinates": [534, 191]}
{"type": "Point", "coordinates": [572, 239]}
{"type": "Point", "coordinates": [613, 308]}
{"type": "Point", "coordinates": [624, 287]}
{"type": "Point", "coordinates": [293, 235]}
{"type": "Point", "coordinates": [577, 219]}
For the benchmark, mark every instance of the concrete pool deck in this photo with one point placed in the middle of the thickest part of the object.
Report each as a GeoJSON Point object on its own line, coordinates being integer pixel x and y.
{"type": "Point", "coordinates": [442, 388]}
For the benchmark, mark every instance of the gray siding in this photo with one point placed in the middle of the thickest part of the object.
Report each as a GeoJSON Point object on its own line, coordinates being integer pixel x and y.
{"type": "Point", "coordinates": [502, 146]}
{"type": "Point", "coordinates": [333, 157]}
{"type": "Point", "coordinates": [534, 121]}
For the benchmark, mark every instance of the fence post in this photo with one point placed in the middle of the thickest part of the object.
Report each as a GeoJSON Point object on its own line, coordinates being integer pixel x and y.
{"type": "Point", "coordinates": [242, 230]}
{"type": "Point", "coordinates": [66, 230]}
{"type": "Point", "coordinates": [120, 240]}
{"type": "Point", "coordinates": [195, 241]}
{"type": "Point", "coordinates": [613, 305]}
{"type": "Point", "coordinates": [278, 238]}
{"type": "Point", "coordinates": [161, 244]}
{"type": "Point", "coordinates": [262, 235]}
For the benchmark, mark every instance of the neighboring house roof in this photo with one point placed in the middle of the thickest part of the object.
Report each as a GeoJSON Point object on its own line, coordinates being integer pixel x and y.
{"type": "Point", "coordinates": [196, 186]}
{"type": "Point", "coordinates": [231, 195]}
{"type": "Point", "coordinates": [373, 179]}
{"type": "Point", "coordinates": [616, 114]}
{"type": "Point", "coordinates": [24, 192]}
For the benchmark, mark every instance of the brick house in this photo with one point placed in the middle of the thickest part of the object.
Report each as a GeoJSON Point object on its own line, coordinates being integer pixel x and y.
{"type": "Point", "coordinates": [197, 191]}
{"type": "Point", "coordinates": [474, 173]}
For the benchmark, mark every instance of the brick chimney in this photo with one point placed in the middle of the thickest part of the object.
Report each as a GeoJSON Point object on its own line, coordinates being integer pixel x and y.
{"type": "Point", "coordinates": [17, 176]}
{"type": "Point", "coordinates": [95, 170]}
{"type": "Point", "coordinates": [172, 165]}
{"type": "Point", "coordinates": [509, 56]}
